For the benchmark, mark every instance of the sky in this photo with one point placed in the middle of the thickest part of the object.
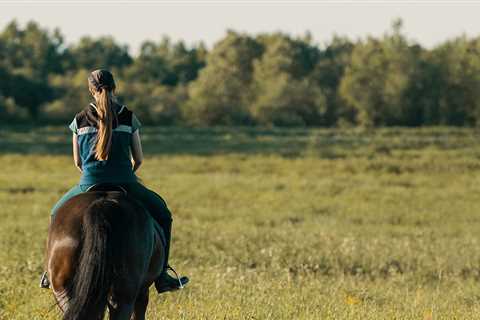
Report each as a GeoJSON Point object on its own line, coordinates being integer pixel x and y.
{"type": "Point", "coordinates": [132, 22]}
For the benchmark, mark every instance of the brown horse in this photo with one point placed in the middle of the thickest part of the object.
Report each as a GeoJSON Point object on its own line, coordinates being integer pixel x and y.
{"type": "Point", "coordinates": [103, 250]}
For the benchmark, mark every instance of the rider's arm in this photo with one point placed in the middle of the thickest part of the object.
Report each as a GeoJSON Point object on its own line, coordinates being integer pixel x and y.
{"type": "Point", "coordinates": [137, 153]}
{"type": "Point", "coordinates": [76, 153]}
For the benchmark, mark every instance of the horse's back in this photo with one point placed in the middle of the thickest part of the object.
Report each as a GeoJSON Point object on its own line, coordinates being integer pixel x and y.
{"type": "Point", "coordinates": [126, 216]}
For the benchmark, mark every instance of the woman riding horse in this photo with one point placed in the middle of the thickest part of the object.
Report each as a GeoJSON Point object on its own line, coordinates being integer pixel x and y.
{"type": "Point", "coordinates": [107, 149]}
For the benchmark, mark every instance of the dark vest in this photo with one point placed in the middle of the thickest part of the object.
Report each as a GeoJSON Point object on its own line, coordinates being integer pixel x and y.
{"type": "Point", "coordinates": [118, 167]}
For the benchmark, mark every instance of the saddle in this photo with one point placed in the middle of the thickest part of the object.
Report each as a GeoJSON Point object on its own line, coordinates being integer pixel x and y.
{"type": "Point", "coordinates": [107, 187]}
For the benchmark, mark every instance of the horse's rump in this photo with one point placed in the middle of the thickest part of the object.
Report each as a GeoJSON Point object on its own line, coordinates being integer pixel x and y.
{"type": "Point", "coordinates": [101, 245]}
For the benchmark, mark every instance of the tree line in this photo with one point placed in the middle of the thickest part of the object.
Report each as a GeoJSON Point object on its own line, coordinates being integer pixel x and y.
{"type": "Point", "coordinates": [266, 79]}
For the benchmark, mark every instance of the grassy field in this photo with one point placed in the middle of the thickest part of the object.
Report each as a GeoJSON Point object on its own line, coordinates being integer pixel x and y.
{"type": "Point", "coordinates": [276, 224]}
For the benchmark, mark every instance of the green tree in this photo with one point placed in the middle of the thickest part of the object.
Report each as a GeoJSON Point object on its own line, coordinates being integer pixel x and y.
{"type": "Point", "coordinates": [166, 63]}
{"type": "Point", "coordinates": [454, 94]}
{"type": "Point", "coordinates": [26, 93]}
{"type": "Point", "coordinates": [153, 103]}
{"type": "Point", "coordinates": [378, 78]}
{"type": "Point", "coordinates": [33, 52]}
{"type": "Point", "coordinates": [220, 94]}
{"type": "Point", "coordinates": [284, 93]}
{"type": "Point", "coordinates": [28, 56]}
{"type": "Point", "coordinates": [286, 101]}
{"type": "Point", "coordinates": [103, 52]}
{"type": "Point", "coordinates": [297, 57]}
{"type": "Point", "coordinates": [328, 73]}
{"type": "Point", "coordinates": [71, 96]}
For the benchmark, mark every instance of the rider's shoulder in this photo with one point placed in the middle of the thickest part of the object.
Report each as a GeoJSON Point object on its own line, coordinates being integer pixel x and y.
{"type": "Point", "coordinates": [87, 116]}
{"type": "Point", "coordinates": [122, 109]}
{"type": "Point", "coordinates": [124, 114]}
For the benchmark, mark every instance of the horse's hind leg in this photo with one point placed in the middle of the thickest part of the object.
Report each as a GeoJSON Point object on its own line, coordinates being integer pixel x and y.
{"type": "Point", "coordinates": [141, 305]}
{"type": "Point", "coordinates": [61, 267]}
{"type": "Point", "coordinates": [120, 311]}
{"type": "Point", "coordinates": [62, 299]}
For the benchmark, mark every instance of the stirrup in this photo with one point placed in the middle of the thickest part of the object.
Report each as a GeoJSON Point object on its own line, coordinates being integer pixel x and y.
{"type": "Point", "coordinates": [44, 282]}
{"type": "Point", "coordinates": [171, 283]}
{"type": "Point", "coordinates": [176, 275]}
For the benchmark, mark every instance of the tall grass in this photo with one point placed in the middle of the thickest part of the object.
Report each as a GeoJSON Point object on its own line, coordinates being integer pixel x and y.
{"type": "Point", "coordinates": [276, 224]}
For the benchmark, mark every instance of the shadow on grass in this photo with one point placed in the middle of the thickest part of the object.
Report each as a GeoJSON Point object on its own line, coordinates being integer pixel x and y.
{"type": "Point", "coordinates": [180, 141]}
{"type": "Point", "coordinates": [289, 143]}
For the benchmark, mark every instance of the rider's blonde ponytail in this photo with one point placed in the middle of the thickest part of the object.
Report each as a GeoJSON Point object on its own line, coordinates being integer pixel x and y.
{"type": "Point", "coordinates": [105, 123]}
{"type": "Point", "coordinates": [102, 85]}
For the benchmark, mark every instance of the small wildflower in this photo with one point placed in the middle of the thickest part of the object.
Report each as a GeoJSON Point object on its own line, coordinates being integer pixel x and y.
{"type": "Point", "coordinates": [428, 315]}
{"type": "Point", "coordinates": [351, 300]}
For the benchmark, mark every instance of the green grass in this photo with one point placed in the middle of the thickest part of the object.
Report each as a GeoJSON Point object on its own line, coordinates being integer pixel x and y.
{"type": "Point", "coordinates": [276, 224]}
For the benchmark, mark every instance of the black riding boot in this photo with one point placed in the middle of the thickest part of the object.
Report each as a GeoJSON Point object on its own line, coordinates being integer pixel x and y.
{"type": "Point", "coordinates": [167, 231]}
{"type": "Point", "coordinates": [165, 282]}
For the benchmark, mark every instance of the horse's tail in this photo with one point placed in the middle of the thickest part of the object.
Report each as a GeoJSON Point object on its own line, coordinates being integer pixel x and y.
{"type": "Point", "coordinates": [91, 284]}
